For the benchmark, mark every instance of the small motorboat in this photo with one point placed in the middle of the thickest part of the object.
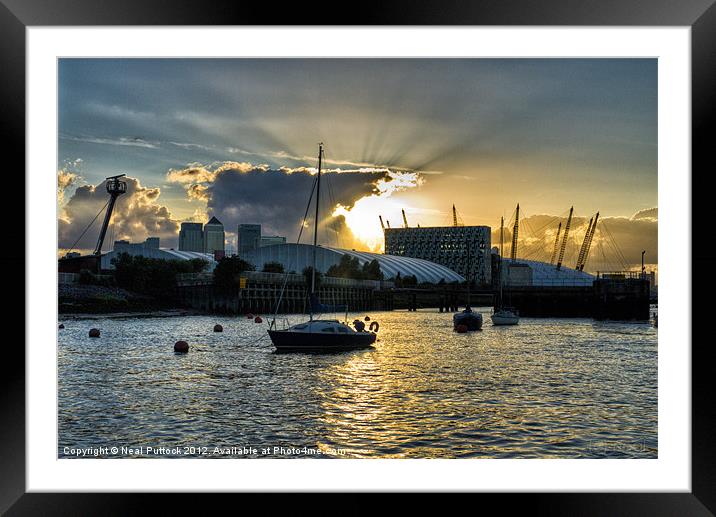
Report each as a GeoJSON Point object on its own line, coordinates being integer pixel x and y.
{"type": "Point", "coordinates": [470, 319]}
{"type": "Point", "coordinates": [505, 316]}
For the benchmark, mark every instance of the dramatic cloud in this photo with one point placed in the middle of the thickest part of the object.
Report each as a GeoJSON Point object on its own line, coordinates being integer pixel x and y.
{"type": "Point", "coordinates": [239, 192]}
{"type": "Point", "coordinates": [649, 213]}
{"type": "Point", "coordinates": [65, 179]}
{"type": "Point", "coordinates": [136, 216]}
{"type": "Point", "coordinates": [617, 244]}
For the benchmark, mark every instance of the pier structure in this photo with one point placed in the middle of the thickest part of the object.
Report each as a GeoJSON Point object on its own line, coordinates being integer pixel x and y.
{"type": "Point", "coordinates": [259, 292]}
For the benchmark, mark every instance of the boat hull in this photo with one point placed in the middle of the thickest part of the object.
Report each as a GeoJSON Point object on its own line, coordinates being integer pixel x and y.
{"type": "Point", "coordinates": [472, 320]}
{"type": "Point", "coordinates": [504, 320]}
{"type": "Point", "coordinates": [287, 341]}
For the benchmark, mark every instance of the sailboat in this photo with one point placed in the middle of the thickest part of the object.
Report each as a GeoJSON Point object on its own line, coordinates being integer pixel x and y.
{"type": "Point", "coordinates": [317, 335]}
{"type": "Point", "coordinates": [470, 319]}
{"type": "Point", "coordinates": [503, 315]}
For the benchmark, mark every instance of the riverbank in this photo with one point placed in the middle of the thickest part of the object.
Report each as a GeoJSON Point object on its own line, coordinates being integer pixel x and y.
{"type": "Point", "coordinates": [77, 299]}
{"type": "Point", "coordinates": [172, 313]}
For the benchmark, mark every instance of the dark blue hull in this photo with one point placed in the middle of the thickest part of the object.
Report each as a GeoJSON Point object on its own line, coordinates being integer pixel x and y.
{"type": "Point", "coordinates": [471, 320]}
{"type": "Point", "coordinates": [287, 341]}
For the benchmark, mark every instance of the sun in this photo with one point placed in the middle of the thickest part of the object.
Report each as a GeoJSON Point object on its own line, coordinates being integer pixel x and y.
{"type": "Point", "coordinates": [362, 219]}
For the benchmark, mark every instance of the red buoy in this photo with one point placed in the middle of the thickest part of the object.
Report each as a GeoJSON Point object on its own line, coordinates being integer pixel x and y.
{"type": "Point", "coordinates": [218, 328]}
{"type": "Point", "coordinates": [94, 333]}
{"type": "Point", "coordinates": [257, 319]}
{"type": "Point", "coordinates": [181, 347]}
{"type": "Point", "coordinates": [461, 329]}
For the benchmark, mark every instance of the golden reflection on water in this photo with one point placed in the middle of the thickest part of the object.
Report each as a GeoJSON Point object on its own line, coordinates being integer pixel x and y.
{"type": "Point", "coordinates": [545, 388]}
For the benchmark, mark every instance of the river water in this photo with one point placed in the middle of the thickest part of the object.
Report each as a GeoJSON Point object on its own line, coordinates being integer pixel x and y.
{"type": "Point", "coordinates": [546, 388]}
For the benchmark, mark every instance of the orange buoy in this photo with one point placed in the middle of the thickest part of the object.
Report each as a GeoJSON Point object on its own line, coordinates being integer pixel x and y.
{"type": "Point", "coordinates": [258, 319]}
{"type": "Point", "coordinates": [367, 318]}
{"type": "Point", "coordinates": [94, 333]}
{"type": "Point", "coordinates": [181, 347]}
{"type": "Point", "coordinates": [61, 326]}
{"type": "Point", "coordinates": [218, 328]}
{"type": "Point", "coordinates": [461, 329]}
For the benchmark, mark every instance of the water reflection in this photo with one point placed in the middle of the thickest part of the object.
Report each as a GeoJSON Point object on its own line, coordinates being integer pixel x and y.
{"type": "Point", "coordinates": [545, 388]}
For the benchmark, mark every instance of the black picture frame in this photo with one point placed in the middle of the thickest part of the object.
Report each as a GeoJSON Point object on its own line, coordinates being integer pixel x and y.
{"type": "Point", "coordinates": [700, 15]}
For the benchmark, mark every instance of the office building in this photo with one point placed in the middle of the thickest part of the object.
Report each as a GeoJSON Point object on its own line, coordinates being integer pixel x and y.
{"type": "Point", "coordinates": [248, 238]}
{"type": "Point", "coordinates": [191, 237]}
{"type": "Point", "coordinates": [214, 237]}
{"type": "Point", "coordinates": [445, 245]}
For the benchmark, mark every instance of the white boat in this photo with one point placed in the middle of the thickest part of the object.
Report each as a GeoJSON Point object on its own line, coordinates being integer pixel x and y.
{"type": "Point", "coordinates": [505, 315]}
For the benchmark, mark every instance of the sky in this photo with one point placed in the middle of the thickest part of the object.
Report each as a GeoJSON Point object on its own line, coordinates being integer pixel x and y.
{"type": "Point", "coordinates": [237, 139]}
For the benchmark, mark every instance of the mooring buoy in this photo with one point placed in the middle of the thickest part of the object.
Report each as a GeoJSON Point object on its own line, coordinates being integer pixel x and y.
{"type": "Point", "coordinates": [258, 319]}
{"type": "Point", "coordinates": [218, 328]}
{"type": "Point", "coordinates": [94, 333]}
{"type": "Point", "coordinates": [181, 347]}
{"type": "Point", "coordinates": [367, 318]}
{"type": "Point", "coordinates": [61, 326]}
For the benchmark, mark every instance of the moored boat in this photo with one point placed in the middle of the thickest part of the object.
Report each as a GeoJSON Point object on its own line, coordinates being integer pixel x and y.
{"type": "Point", "coordinates": [472, 320]}
{"type": "Point", "coordinates": [320, 336]}
{"type": "Point", "coordinates": [317, 335]}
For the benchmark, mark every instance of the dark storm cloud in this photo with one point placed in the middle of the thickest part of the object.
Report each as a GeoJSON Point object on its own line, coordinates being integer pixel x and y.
{"type": "Point", "coordinates": [277, 198]}
{"type": "Point", "coordinates": [136, 216]}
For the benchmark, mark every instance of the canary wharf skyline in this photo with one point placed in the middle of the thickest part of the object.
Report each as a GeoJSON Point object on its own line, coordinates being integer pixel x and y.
{"type": "Point", "coordinates": [237, 139]}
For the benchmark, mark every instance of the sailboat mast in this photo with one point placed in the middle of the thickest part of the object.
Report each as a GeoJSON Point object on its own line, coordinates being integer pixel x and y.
{"type": "Point", "coordinates": [315, 224]}
{"type": "Point", "coordinates": [502, 232]}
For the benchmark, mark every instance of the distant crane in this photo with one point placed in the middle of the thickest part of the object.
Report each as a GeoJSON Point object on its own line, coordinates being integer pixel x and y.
{"type": "Point", "coordinates": [405, 219]}
{"type": "Point", "coordinates": [381, 222]}
{"type": "Point", "coordinates": [589, 243]}
{"type": "Point", "coordinates": [583, 248]}
{"type": "Point", "coordinates": [556, 244]}
{"type": "Point", "coordinates": [564, 239]}
{"type": "Point", "coordinates": [455, 221]}
{"type": "Point", "coordinates": [387, 223]}
{"type": "Point", "coordinates": [515, 230]}
{"type": "Point", "coordinates": [115, 188]}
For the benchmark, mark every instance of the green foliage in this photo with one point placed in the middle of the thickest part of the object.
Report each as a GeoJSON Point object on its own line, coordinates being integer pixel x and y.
{"type": "Point", "coordinates": [307, 271]}
{"type": "Point", "coordinates": [155, 277]}
{"type": "Point", "coordinates": [405, 281]}
{"type": "Point", "coordinates": [350, 267]}
{"type": "Point", "coordinates": [273, 267]}
{"type": "Point", "coordinates": [87, 277]}
{"type": "Point", "coordinates": [228, 272]}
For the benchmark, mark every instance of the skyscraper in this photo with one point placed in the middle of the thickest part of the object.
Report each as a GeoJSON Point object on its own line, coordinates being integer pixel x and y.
{"type": "Point", "coordinates": [214, 237]}
{"type": "Point", "coordinates": [248, 238]}
{"type": "Point", "coordinates": [191, 237]}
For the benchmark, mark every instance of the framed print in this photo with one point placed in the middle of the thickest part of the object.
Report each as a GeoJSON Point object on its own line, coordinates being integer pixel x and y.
{"type": "Point", "coordinates": [424, 248]}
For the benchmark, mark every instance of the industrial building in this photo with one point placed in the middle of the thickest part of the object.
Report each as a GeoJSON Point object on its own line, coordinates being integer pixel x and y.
{"type": "Point", "coordinates": [448, 246]}
{"type": "Point", "coordinates": [296, 257]}
{"type": "Point", "coordinates": [271, 240]}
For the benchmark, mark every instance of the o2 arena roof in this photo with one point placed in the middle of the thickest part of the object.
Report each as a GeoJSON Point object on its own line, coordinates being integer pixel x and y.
{"type": "Point", "coordinates": [295, 257]}
{"type": "Point", "coordinates": [547, 275]}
